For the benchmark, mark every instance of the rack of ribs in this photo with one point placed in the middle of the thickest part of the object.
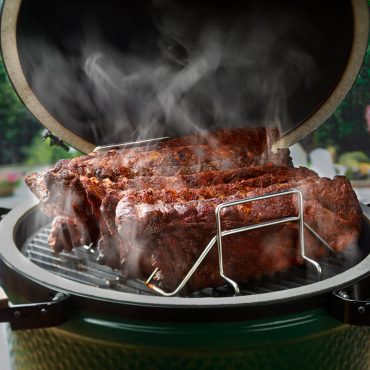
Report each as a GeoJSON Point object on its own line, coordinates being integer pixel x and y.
{"type": "Point", "coordinates": [168, 230]}
{"type": "Point", "coordinates": [154, 207]}
{"type": "Point", "coordinates": [61, 191]}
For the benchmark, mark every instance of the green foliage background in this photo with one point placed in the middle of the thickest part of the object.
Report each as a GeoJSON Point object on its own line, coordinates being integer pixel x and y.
{"type": "Point", "coordinates": [346, 129]}
{"type": "Point", "coordinates": [20, 133]}
{"type": "Point", "coordinates": [17, 127]}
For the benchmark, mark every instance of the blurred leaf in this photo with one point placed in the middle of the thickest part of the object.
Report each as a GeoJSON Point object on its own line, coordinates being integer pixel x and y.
{"type": "Point", "coordinates": [17, 126]}
{"type": "Point", "coordinates": [346, 128]}
{"type": "Point", "coordinates": [40, 152]}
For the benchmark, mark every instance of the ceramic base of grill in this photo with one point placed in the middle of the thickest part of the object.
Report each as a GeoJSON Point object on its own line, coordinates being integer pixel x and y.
{"type": "Point", "coordinates": [309, 341]}
{"type": "Point", "coordinates": [118, 330]}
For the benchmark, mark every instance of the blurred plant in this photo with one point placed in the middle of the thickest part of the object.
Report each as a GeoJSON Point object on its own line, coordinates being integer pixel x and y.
{"type": "Point", "coordinates": [9, 182]}
{"type": "Point", "coordinates": [40, 152]}
{"type": "Point", "coordinates": [17, 126]}
{"type": "Point", "coordinates": [357, 164]}
{"type": "Point", "coordinates": [353, 157]}
{"type": "Point", "coordinates": [346, 129]}
{"type": "Point", "coordinates": [20, 133]}
{"type": "Point", "coordinates": [10, 179]}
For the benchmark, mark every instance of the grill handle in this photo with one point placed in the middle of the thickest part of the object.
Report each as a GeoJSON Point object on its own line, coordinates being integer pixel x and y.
{"type": "Point", "coordinates": [35, 315]}
{"type": "Point", "coordinates": [351, 305]}
{"type": "Point", "coordinates": [3, 212]}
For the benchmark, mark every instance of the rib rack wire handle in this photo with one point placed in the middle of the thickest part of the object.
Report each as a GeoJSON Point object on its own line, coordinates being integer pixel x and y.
{"type": "Point", "coordinates": [149, 142]}
{"type": "Point", "coordinates": [220, 234]}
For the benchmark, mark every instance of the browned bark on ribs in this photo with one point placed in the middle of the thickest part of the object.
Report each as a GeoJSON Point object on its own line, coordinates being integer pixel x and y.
{"type": "Point", "coordinates": [105, 195]}
{"type": "Point", "coordinates": [257, 176]}
{"type": "Point", "coordinates": [154, 207]}
{"type": "Point", "coordinates": [169, 229]}
{"type": "Point", "coordinates": [221, 150]}
{"type": "Point", "coordinates": [62, 193]}
{"type": "Point", "coordinates": [60, 186]}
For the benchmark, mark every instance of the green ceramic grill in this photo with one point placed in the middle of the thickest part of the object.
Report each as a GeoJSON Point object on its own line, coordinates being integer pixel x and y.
{"type": "Point", "coordinates": [76, 321]}
{"type": "Point", "coordinates": [70, 312]}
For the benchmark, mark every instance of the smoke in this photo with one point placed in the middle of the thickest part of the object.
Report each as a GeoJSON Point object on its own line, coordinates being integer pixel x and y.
{"type": "Point", "coordinates": [191, 71]}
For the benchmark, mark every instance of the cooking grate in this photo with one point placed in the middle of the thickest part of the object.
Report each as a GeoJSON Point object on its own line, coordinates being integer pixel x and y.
{"type": "Point", "coordinates": [80, 265]}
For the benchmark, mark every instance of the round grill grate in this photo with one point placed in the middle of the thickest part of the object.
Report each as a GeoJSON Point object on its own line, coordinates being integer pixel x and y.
{"type": "Point", "coordinates": [80, 265]}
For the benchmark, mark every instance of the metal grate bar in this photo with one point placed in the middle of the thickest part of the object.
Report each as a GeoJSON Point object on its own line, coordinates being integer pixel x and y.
{"type": "Point", "coordinates": [80, 265]}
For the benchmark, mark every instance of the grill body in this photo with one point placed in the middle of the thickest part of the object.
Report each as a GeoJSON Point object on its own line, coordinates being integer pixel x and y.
{"type": "Point", "coordinates": [218, 338]}
{"type": "Point", "coordinates": [310, 340]}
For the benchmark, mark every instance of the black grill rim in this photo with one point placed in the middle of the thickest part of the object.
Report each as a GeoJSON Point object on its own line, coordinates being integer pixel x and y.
{"type": "Point", "coordinates": [80, 265]}
{"type": "Point", "coordinates": [30, 282]}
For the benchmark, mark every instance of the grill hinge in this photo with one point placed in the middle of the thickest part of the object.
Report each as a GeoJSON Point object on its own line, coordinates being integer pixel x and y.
{"type": "Point", "coordinates": [54, 140]}
{"type": "Point", "coordinates": [35, 315]}
{"type": "Point", "coordinates": [3, 212]}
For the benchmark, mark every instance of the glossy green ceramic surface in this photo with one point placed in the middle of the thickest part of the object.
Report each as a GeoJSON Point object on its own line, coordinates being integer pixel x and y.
{"type": "Point", "coordinates": [310, 340]}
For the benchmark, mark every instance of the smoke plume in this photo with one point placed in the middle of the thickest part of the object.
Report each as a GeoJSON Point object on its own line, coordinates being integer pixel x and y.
{"type": "Point", "coordinates": [193, 68]}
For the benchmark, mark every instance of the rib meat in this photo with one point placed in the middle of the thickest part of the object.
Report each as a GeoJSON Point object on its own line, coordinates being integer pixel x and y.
{"type": "Point", "coordinates": [168, 229]}
{"type": "Point", "coordinates": [154, 208]}
{"type": "Point", "coordinates": [105, 195]}
{"type": "Point", "coordinates": [62, 193]}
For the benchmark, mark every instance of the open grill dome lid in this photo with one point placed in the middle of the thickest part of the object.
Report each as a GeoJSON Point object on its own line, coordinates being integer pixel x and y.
{"type": "Point", "coordinates": [98, 73]}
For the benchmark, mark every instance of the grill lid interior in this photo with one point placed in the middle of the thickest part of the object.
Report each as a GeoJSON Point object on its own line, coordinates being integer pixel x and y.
{"type": "Point", "coordinates": [49, 48]}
